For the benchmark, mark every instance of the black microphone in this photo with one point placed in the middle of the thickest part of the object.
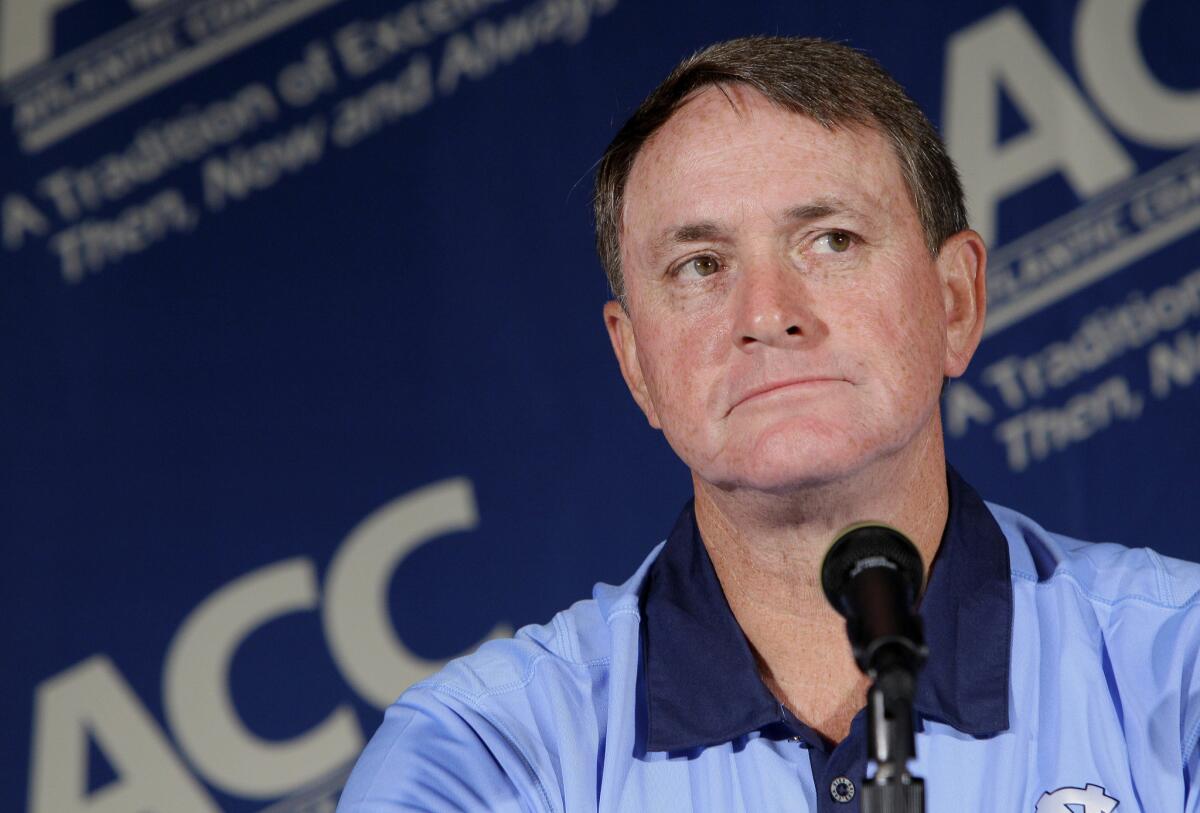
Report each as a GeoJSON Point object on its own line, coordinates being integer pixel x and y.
{"type": "Point", "coordinates": [872, 575]}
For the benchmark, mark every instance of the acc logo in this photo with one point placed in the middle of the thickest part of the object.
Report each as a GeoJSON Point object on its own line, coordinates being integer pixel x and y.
{"type": "Point", "coordinates": [1091, 799]}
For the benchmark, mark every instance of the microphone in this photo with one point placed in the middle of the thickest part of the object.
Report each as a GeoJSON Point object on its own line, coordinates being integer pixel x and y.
{"type": "Point", "coordinates": [872, 576]}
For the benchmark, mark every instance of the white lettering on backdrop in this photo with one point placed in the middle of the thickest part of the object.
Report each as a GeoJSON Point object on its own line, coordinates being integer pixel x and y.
{"type": "Point", "coordinates": [92, 701]}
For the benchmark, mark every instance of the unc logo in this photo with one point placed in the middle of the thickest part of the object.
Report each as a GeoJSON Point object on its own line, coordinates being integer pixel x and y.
{"type": "Point", "coordinates": [1091, 799]}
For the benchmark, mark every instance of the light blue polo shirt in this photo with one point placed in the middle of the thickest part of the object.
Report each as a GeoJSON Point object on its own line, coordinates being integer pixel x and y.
{"type": "Point", "coordinates": [1063, 678]}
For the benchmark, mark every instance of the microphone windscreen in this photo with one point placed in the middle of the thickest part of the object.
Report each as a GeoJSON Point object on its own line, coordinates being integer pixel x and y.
{"type": "Point", "coordinates": [868, 544]}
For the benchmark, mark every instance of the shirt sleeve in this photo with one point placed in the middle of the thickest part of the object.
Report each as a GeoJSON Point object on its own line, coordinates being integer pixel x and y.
{"type": "Point", "coordinates": [427, 756]}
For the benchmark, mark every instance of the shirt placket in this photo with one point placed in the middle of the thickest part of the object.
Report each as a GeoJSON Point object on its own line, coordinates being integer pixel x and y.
{"type": "Point", "coordinates": [837, 773]}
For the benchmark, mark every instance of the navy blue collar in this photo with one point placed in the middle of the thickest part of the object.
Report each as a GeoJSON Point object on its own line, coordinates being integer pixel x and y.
{"type": "Point", "coordinates": [702, 685]}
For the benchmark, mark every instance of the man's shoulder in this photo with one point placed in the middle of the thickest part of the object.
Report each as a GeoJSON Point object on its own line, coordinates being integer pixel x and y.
{"type": "Point", "coordinates": [1102, 572]}
{"type": "Point", "coordinates": [575, 647]}
{"type": "Point", "coordinates": [505, 722]}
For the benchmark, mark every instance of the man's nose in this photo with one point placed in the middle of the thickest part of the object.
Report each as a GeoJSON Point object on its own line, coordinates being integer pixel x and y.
{"type": "Point", "coordinates": [774, 307]}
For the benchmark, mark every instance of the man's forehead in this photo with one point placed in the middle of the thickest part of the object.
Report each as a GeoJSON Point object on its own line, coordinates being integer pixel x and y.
{"type": "Point", "coordinates": [720, 132]}
{"type": "Point", "coordinates": [717, 111]}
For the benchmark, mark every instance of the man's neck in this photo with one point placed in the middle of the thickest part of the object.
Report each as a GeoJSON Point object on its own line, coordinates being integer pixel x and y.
{"type": "Point", "coordinates": [767, 552]}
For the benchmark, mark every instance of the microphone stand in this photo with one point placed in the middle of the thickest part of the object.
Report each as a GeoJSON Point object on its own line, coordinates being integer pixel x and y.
{"type": "Point", "coordinates": [891, 742]}
{"type": "Point", "coordinates": [872, 576]}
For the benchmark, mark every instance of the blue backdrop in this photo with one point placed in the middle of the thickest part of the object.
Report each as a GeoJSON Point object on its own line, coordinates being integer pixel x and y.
{"type": "Point", "coordinates": [305, 387]}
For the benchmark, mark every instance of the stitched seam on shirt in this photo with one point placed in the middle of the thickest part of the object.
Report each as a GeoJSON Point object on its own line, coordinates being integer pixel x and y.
{"type": "Point", "coordinates": [564, 640]}
{"type": "Point", "coordinates": [1192, 738]}
{"type": "Point", "coordinates": [560, 636]}
{"type": "Point", "coordinates": [506, 734]}
{"type": "Point", "coordinates": [572, 632]}
{"type": "Point", "coordinates": [520, 683]}
{"type": "Point", "coordinates": [1111, 602]}
{"type": "Point", "coordinates": [623, 611]}
{"type": "Point", "coordinates": [1164, 578]}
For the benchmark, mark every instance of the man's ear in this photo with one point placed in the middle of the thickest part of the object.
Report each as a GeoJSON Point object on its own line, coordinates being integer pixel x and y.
{"type": "Point", "coordinates": [624, 343]}
{"type": "Point", "coordinates": [962, 266]}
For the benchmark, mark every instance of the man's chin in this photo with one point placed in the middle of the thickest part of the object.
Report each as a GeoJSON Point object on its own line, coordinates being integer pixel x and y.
{"type": "Point", "coordinates": [785, 456]}
{"type": "Point", "coordinates": [793, 463]}
{"type": "Point", "coordinates": [793, 475]}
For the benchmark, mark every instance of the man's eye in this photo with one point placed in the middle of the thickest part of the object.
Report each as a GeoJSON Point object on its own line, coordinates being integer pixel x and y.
{"type": "Point", "coordinates": [703, 266]}
{"type": "Point", "coordinates": [835, 241]}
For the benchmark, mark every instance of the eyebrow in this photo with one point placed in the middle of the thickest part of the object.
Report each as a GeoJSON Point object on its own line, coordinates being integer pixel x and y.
{"type": "Point", "coordinates": [711, 230]}
{"type": "Point", "coordinates": [815, 210]}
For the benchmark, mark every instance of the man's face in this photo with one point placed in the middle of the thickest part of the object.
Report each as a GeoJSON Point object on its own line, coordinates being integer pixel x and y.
{"type": "Point", "coordinates": [787, 325]}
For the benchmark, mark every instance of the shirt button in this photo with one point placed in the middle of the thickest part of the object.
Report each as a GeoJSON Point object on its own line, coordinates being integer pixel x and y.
{"type": "Point", "coordinates": [842, 789]}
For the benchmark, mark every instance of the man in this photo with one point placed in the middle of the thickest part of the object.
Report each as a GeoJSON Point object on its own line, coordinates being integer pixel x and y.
{"type": "Point", "coordinates": [794, 280]}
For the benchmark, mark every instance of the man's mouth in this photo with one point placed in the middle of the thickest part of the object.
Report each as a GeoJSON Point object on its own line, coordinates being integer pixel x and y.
{"type": "Point", "coordinates": [791, 386]}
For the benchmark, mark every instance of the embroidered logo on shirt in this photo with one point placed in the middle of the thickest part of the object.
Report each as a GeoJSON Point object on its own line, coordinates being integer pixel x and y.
{"type": "Point", "coordinates": [1092, 799]}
